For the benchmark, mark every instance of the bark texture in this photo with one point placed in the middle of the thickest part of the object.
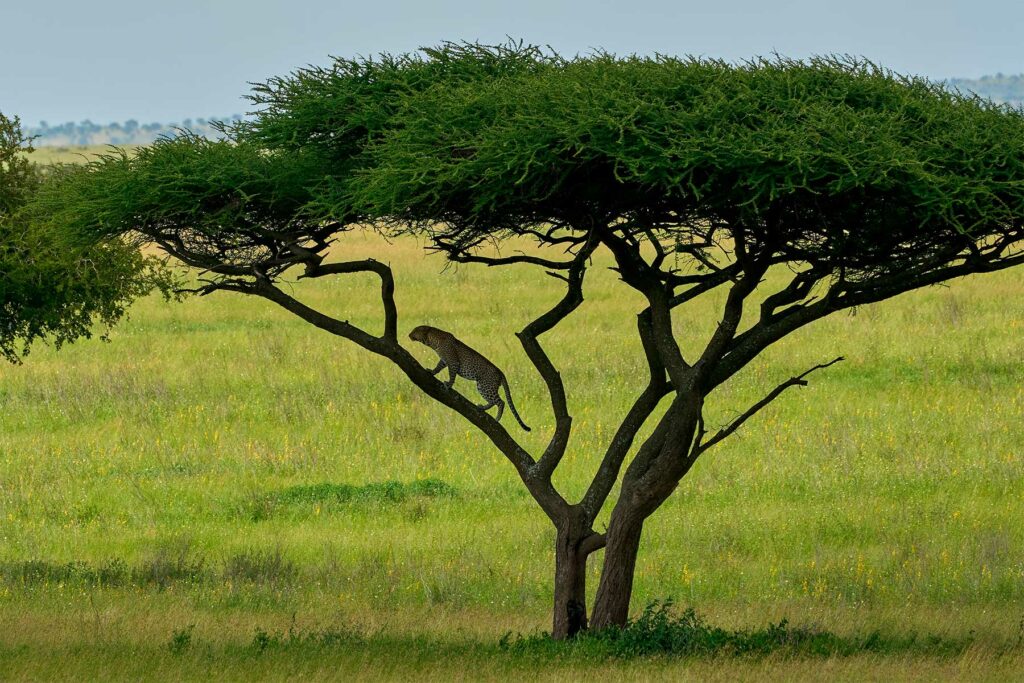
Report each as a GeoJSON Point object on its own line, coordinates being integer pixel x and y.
{"type": "Point", "coordinates": [570, 612]}
{"type": "Point", "coordinates": [611, 605]}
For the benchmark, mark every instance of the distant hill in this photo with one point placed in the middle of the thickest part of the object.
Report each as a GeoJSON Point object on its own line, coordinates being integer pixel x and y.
{"type": "Point", "coordinates": [130, 132]}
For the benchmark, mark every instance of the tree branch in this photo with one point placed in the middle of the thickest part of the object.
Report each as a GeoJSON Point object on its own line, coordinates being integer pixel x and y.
{"type": "Point", "coordinates": [657, 388]}
{"type": "Point", "coordinates": [636, 273]}
{"type": "Point", "coordinates": [702, 284]}
{"type": "Point", "coordinates": [316, 269]}
{"type": "Point", "coordinates": [663, 458]}
{"type": "Point", "coordinates": [548, 236]}
{"type": "Point", "coordinates": [552, 378]}
{"type": "Point", "coordinates": [753, 270]}
{"type": "Point", "coordinates": [746, 346]}
{"type": "Point", "coordinates": [461, 254]}
{"type": "Point", "coordinates": [211, 286]}
{"type": "Point", "coordinates": [342, 328]}
{"type": "Point", "coordinates": [592, 543]}
{"type": "Point", "coordinates": [754, 409]}
{"type": "Point", "coordinates": [797, 290]}
{"type": "Point", "coordinates": [553, 504]}
{"type": "Point", "coordinates": [174, 246]}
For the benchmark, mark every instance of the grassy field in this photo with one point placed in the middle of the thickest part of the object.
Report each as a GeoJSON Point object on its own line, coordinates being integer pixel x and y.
{"type": "Point", "coordinates": [206, 494]}
{"type": "Point", "coordinates": [53, 154]}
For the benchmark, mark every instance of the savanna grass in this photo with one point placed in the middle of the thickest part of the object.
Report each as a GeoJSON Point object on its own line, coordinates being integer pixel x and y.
{"type": "Point", "coordinates": [885, 497]}
{"type": "Point", "coordinates": [62, 154]}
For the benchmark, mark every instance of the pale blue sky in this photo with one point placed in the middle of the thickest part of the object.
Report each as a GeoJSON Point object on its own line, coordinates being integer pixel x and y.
{"type": "Point", "coordinates": [111, 60]}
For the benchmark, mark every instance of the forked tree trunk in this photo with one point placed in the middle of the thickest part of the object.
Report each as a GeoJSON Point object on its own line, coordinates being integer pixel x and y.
{"type": "Point", "coordinates": [651, 478]}
{"type": "Point", "coordinates": [570, 586]}
{"type": "Point", "coordinates": [611, 606]}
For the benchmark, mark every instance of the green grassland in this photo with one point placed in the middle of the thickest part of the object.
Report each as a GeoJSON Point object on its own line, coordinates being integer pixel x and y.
{"type": "Point", "coordinates": [224, 491]}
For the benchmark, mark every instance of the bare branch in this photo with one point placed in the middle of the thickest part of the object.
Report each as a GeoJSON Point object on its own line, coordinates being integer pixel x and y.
{"type": "Point", "coordinates": [796, 291]}
{"type": "Point", "coordinates": [592, 543]}
{"type": "Point", "coordinates": [659, 249]}
{"type": "Point", "coordinates": [315, 269]}
{"type": "Point", "coordinates": [754, 409]}
{"type": "Point", "coordinates": [557, 276]}
{"type": "Point", "coordinates": [461, 254]}
{"type": "Point", "coordinates": [174, 246]}
{"type": "Point", "coordinates": [552, 378]}
{"type": "Point", "coordinates": [753, 270]}
{"type": "Point", "coordinates": [696, 251]}
{"type": "Point", "coordinates": [341, 328]}
{"type": "Point", "coordinates": [212, 286]}
{"type": "Point", "coordinates": [703, 283]}
{"type": "Point", "coordinates": [636, 273]}
{"type": "Point", "coordinates": [746, 346]}
{"type": "Point", "coordinates": [507, 260]}
{"type": "Point", "coordinates": [548, 236]}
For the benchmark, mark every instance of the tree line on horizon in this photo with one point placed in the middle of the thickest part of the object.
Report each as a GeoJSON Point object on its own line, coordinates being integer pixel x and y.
{"type": "Point", "coordinates": [129, 132]}
{"type": "Point", "coordinates": [1001, 88]}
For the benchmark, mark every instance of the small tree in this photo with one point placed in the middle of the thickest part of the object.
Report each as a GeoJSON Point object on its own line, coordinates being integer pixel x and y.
{"type": "Point", "coordinates": [18, 177]}
{"type": "Point", "coordinates": [850, 183]}
{"type": "Point", "coordinates": [55, 284]}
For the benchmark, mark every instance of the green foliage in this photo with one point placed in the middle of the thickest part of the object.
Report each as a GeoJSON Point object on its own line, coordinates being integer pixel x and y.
{"type": "Point", "coordinates": [18, 178]}
{"type": "Point", "coordinates": [181, 639]}
{"type": "Point", "coordinates": [56, 288]}
{"type": "Point", "coordinates": [341, 110]}
{"type": "Point", "coordinates": [264, 640]}
{"type": "Point", "coordinates": [834, 162]}
{"type": "Point", "coordinates": [342, 107]}
{"type": "Point", "coordinates": [658, 630]}
{"type": "Point", "coordinates": [204, 192]}
{"type": "Point", "coordinates": [56, 282]}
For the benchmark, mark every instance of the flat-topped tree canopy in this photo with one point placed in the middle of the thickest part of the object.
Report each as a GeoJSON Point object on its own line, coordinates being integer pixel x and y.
{"type": "Point", "coordinates": [832, 163]}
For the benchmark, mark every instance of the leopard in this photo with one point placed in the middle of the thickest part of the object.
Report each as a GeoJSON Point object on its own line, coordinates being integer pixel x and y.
{"type": "Point", "coordinates": [462, 360]}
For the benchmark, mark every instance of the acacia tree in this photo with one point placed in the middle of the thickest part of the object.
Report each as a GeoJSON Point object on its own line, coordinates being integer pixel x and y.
{"type": "Point", "coordinates": [852, 184]}
{"type": "Point", "coordinates": [55, 284]}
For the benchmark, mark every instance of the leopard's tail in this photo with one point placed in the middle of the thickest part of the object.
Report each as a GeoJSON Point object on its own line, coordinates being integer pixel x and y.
{"type": "Point", "coordinates": [512, 406]}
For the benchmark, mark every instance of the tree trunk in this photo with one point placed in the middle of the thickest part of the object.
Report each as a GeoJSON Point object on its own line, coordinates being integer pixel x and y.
{"type": "Point", "coordinates": [611, 606]}
{"type": "Point", "coordinates": [650, 479]}
{"type": "Point", "coordinates": [570, 586]}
